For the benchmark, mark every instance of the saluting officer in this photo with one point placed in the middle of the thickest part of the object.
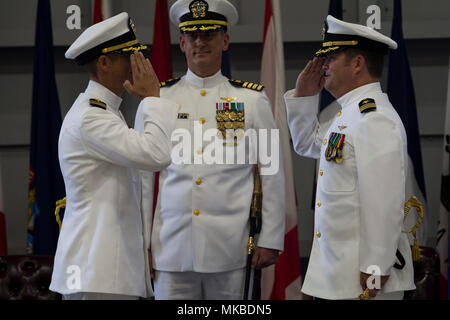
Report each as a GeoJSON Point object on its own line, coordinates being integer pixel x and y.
{"type": "Point", "coordinates": [100, 253]}
{"type": "Point", "coordinates": [200, 228]}
{"type": "Point", "coordinates": [363, 164]}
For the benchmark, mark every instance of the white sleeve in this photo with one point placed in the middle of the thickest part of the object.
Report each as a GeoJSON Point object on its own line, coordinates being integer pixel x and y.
{"type": "Point", "coordinates": [108, 138]}
{"type": "Point", "coordinates": [306, 132]}
{"type": "Point", "coordinates": [147, 183]}
{"type": "Point", "coordinates": [273, 185]}
{"type": "Point", "coordinates": [380, 163]}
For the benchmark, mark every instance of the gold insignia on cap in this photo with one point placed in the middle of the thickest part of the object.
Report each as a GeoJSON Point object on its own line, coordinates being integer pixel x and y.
{"type": "Point", "coordinates": [120, 46]}
{"type": "Point", "coordinates": [132, 27]}
{"type": "Point", "coordinates": [198, 9]}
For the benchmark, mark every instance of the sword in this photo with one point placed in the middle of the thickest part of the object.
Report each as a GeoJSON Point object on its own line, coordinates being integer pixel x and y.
{"type": "Point", "coordinates": [255, 228]}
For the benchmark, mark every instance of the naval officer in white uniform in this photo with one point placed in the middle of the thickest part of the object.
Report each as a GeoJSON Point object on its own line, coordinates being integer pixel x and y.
{"type": "Point", "coordinates": [100, 253]}
{"type": "Point", "coordinates": [363, 164]}
{"type": "Point", "coordinates": [200, 228]}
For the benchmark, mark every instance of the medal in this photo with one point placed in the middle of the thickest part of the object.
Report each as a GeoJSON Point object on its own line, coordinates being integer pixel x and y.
{"type": "Point", "coordinates": [334, 151]}
{"type": "Point", "coordinates": [230, 115]}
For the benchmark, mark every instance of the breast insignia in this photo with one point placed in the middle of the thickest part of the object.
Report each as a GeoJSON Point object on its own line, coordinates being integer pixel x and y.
{"type": "Point", "coordinates": [247, 85]}
{"type": "Point", "coordinates": [169, 83]}
{"type": "Point", "coordinates": [367, 105]}
{"type": "Point", "coordinates": [97, 103]}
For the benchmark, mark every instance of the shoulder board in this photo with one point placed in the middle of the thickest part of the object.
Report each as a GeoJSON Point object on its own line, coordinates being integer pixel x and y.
{"type": "Point", "coordinates": [247, 85]}
{"type": "Point", "coordinates": [169, 82]}
{"type": "Point", "coordinates": [97, 103]}
{"type": "Point", "coordinates": [367, 105]}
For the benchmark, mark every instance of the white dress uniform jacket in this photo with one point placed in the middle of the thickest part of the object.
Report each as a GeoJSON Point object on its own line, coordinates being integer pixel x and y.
{"type": "Point", "coordinates": [360, 202]}
{"type": "Point", "coordinates": [202, 212]}
{"type": "Point", "coordinates": [100, 247]}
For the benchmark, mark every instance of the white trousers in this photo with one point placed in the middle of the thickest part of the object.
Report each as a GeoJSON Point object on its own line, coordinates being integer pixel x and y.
{"type": "Point", "coordinates": [97, 296]}
{"type": "Point", "coordinates": [199, 286]}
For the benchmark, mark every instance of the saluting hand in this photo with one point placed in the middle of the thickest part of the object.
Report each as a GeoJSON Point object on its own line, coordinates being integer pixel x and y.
{"type": "Point", "coordinates": [145, 82]}
{"type": "Point", "coordinates": [310, 81]}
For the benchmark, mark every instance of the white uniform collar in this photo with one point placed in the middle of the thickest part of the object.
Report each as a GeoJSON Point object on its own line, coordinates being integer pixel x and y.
{"type": "Point", "coordinates": [359, 93]}
{"type": "Point", "coordinates": [97, 91]}
{"type": "Point", "coordinates": [209, 82]}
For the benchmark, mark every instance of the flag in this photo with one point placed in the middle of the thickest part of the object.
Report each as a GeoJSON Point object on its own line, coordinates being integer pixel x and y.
{"type": "Point", "coordinates": [102, 10]}
{"type": "Point", "coordinates": [46, 185]}
{"type": "Point", "coordinates": [282, 281]}
{"type": "Point", "coordinates": [442, 246]}
{"type": "Point", "coordinates": [401, 95]}
{"type": "Point", "coordinates": [161, 49]}
{"type": "Point", "coordinates": [3, 241]}
{"type": "Point", "coordinates": [161, 59]}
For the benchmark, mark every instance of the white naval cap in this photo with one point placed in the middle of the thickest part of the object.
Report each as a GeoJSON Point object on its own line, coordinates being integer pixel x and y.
{"type": "Point", "coordinates": [116, 34]}
{"type": "Point", "coordinates": [338, 34]}
{"type": "Point", "coordinates": [203, 15]}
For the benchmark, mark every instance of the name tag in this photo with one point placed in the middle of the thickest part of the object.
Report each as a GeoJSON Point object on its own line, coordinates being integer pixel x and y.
{"type": "Point", "coordinates": [183, 116]}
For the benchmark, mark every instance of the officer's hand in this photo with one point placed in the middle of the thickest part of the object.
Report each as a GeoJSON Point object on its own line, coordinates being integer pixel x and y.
{"type": "Point", "coordinates": [372, 292]}
{"type": "Point", "coordinates": [310, 81]}
{"type": "Point", "coordinates": [264, 258]}
{"type": "Point", "coordinates": [145, 82]}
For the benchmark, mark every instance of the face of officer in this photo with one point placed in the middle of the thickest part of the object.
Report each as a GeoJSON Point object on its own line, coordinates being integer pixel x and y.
{"type": "Point", "coordinates": [203, 51]}
{"type": "Point", "coordinates": [344, 72]}
{"type": "Point", "coordinates": [336, 74]}
{"type": "Point", "coordinates": [112, 71]}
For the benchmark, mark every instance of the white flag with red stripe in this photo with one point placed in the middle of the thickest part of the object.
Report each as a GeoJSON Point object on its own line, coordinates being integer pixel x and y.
{"type": "Point", "coordinates": [283, 281]}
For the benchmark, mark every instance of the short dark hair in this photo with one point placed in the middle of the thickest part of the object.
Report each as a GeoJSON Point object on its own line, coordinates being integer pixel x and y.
{"type": "Point", "coordinates": [91, 67]}
{"type": "Point", "coordinates": [374, 60]}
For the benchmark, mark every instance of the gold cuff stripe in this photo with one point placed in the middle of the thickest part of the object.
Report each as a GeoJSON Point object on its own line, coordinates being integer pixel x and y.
{"type": "Point", "coordinates": [340, 43]}
{"type": "Point", "coordinates": [120, 46]}
{"type": "Point", "coordinates": [199, 22]}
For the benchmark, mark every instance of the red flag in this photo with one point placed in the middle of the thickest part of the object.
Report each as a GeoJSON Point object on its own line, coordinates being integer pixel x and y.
{"type": "Point", "coordinates": [161, 58]}
{"type": "Point", "coordinates": [161, 50]}
{"type": "Point", "coordinates": [3, 242]}
{"type": "Point", "coordinates": [102, 10]}
{"type": "Point", "coordinates": [283, 281]}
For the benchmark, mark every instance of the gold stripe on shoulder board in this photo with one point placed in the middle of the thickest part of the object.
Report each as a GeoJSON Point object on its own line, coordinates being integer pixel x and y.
{"type": "Point", "coordinates": [97, 103]}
